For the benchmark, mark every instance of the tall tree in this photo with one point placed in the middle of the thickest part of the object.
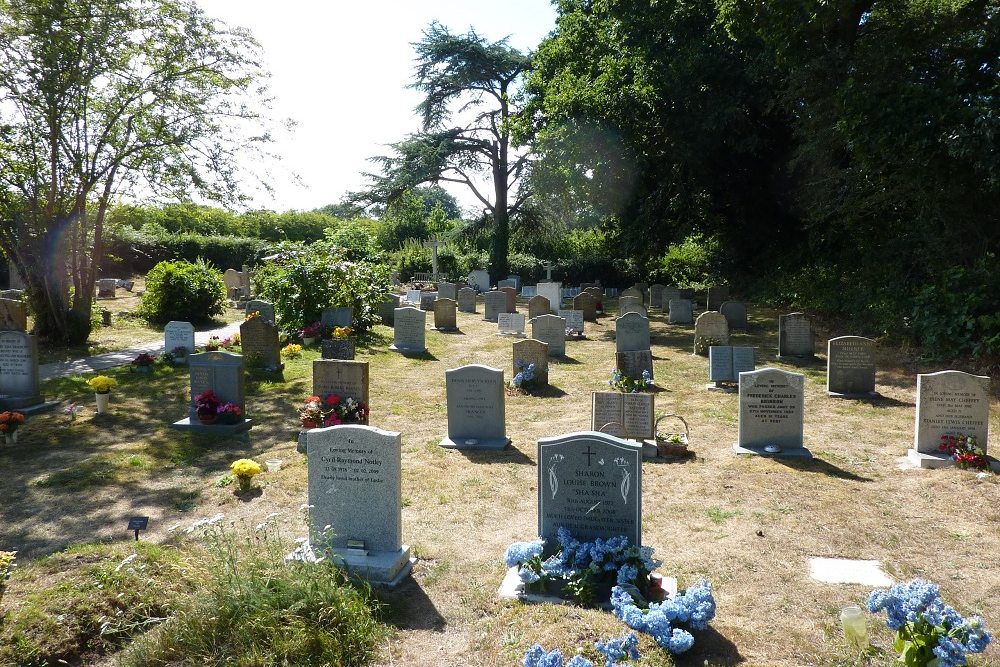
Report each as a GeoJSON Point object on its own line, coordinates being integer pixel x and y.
{"type": "Point", "coordinates": [100, 98]}
{"type": "Point", "coordinates": [470, 88]}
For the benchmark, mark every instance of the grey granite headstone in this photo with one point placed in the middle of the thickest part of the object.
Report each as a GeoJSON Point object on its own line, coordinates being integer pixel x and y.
{"type": "Point", "coordinates": [344, 378]}
{"type": "Point", "coordinates": [494, 304]}
{"type": "Point", "coordinates": [716, 296]}
{"type": "Point", "coordinates": [629, 304]}
{"type": "Point", "coordinates": [550, 329]}
{"type": "Point", "coordinates": [771, 413]}
{"type": "Point", "coordinates": [445, 315]}
{"type": "Point", "coordinates": [355, 488]}
{"type": "Point", "coordinates": [337, 317]}
{"type": "Point", "coordinates": [634, 362]}
{"type": "Point", "coordinates": [710, 328]}
{"type": "Point", "coordinates": [222, 372]}
{"type": "Point", "coordinates": [586, 303]}
{"type": "Point", "coordinates": [552, 292]}
{"type": "Point", "coordinates": [850, 367]}
{"type": "Point", "coordinates": [631, 333]}
{"type": "Point", "coordinates": [510, 324]}
{"type": "Point", "coordinates": [656, 296]}
{"type": "Point", "coordinates": [507, 283]}
{"type": "Point", "coordinates": [386, 310]}
{"type": "Point", "coordinates": [479, 280]}
{"type": "Point", "coordinates": [949, 403]}
{"type": "Point", "coordinates": [18, 370]}
{"type": "Point", "coordinates": [265, 308]}
{"type": "Point", "coordinates": [531, 351]}
{"type": "Point", "coordinates": [447, 291]}
{"type": "Point", "coordinates": [631, 291]}
{"type": "Point", "coordinates": [633, 411]}
{"type": "Point", "coordinates": [511, 294]}
{"type": "Point", "coordinates": [476, 417]}
{"type": "Point", "coordinates": [725, 364]}
{"type": "Point", "coordinates": [259, 341]}
{"type": "Point", "coordinates": [13, 315]}
{"type": "Point", "coordinates": [591, 484]}
{"type": "Point", "coordinates": [538, 305]}
{"type": "Point", "coordinates": [574, 320]}
{"type": "Point", "coordinates": [680, 312]}
{"type": "Point", "coordinates": [735, 314]}
{"type": "Point", "coordinates": [528, 291]}
{"type": "Point", "coordinates": [106, 288]}
{"type": "Point", "coordinates": [178, 334]}
{"type": "Point", "coordinates": [408, 331]}
{"type": "Point", "coordinates": [427, 300]}
{"type": "Point", "coordinates": [795, 337]}
{"type": "Point", "coordinates": [467, 300]}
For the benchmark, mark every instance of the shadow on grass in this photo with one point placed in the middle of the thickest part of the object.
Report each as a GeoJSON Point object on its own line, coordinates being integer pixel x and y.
{"type": "Point", "coordinates": [490, 456]}
{"type": "Point", "coordinates": [548, 391]}
{"type": "Point", "coordinates": [565, 360]}
{"type": "Point", "coordinates": [819, 466]}
{"type": "Point", "coordinates": [880, 401]}
{"type": "Point", "coordinates": [421, 356]}
{"type": "Point", "coordinates": [409, 608]}
{"type": "Point", "coordinates": [450, 332]}
{"type": "Point", "coordinates": [710, 648]}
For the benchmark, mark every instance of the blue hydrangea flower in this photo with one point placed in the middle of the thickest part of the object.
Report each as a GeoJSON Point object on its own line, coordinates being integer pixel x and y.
{"type": "Point", "coordinates": [521, 552]}
{"type": "Point", "coordinates": [619, 648]}
{"type": "Point", "coordinates": [627, 574]}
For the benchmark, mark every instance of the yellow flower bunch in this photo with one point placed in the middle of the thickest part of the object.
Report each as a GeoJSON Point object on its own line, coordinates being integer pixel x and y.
{"type": "Point", "coordinates": [292, 351]}
{"type": "Point", "coordinates": [342, 332]}
{"type": "Point", "coordinates": [246, 468]}
{"type": "Point", "coordinates": [102, 384]}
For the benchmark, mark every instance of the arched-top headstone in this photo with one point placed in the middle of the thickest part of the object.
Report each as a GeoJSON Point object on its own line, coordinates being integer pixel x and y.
{"type": "Point", "coordinates": [538, 305]}
{"type": "Point", "coordinates": [710, 328]}
{"type": "Point", "coordinates": [265, 308]}
{"type": "Point", "coordinates": [631, 333]}
{"type": "Point", "coordinates": [771, 413]}
{"type": "Point", "coordinates": [531, 351]}
{"type": "Point", "coordinates": [585, 302]}
{"type": "Point", "coordinates": [735, 314]}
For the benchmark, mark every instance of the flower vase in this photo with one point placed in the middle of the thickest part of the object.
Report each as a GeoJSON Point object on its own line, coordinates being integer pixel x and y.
{"type": "Point", "coordinates": [308, 341]}
{"type": "Point", "coordinates": [102, 402]}
{"type": "Point", "coordinates": [207, 418]}
{"type": "Point", "coordinates": [245, 483]}
{"type": "Point", "coordinates": [10, 438]}
{"type": "Point", "coordinates": [309, 423]}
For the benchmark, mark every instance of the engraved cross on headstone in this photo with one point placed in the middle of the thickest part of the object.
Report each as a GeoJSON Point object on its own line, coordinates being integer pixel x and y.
{"type": "Point", "coordinates": [548, 266]}
{"type": "Point", "coordinates": [590, 453]}
{"type": "Point", "coordinates": [433, 245]}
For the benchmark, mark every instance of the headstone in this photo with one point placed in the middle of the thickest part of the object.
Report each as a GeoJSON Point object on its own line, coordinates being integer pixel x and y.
{"type": "Point", "coordinates": [344, 378]}
{"type": "Point", "coordinates": [633, 363]}
{"type": "Point", "coordinates": [427, 300]}
{"type": "Point", "coordinates": [337, 317]}
{"type": "Point", "coordinates": [710, 329]}
{"type": "Point", "coordinates": [687, 293]}
{"type": "Point", "coordinates": [126, 285]}
{"type": "Point", "coordinates": [447, 291]}
{"type": "Point", "coordinates": [531, 351]}
{"type": "Point", "coordinates": [18, 370]}
{"type": "Point", "coordinates": [629, 415]}
{"type": "Point", "coordinates": [717, 294]}
{"type": "Point", "coordinates": [771, 413]}
{"type": "Point", "coordinates": [232, 279]}
{"type": "Point", "coordinates": [550, 329]}
{"type": "Point", "coordinates": [259, 341]}
{"type": "Point", "coordinates": [510, 324]}
{"type": "Point", "coordinates": [629, 304]}
{"type": "Point", "coordinates": [529, 291]}
{"type": "Point", "coordinates": [631, 333]}
{"type": "Point", "coordinates": [265, 308]}
{"type": "Point", "coordinates": [445, 318]}
{"type": "Point", "coordinates": [494, 303]}
{"type": "Point", "coordinates": [479, 280]}
{"type": "Point", "coordinates": [586, 303]}
{"type": "Point", "coordinates": [222, 372]}
{"type": "Point", "coordinates": [548, 267]}
{"type": "Point", "coordinates": [680, 312]}
{"type": "Point", "coordinates": [467, 300]}
{"type": "Point", "coordinates": [355, 488]}
{"type": "Point", "coordinates": [507, 283]}
{"type": "Point", "coordinates": [516, 279]}
{"type": "Point", "coordinates": [106, 288]}
{"type": "Point", "coordinates": [13, 315]}
{"type": "Point", "coordinates": [408, 333]}
{"type": "Point", "coordinates": [656, 296]}
{"type": "Point", "coordinates": [338, 348]}
{"type": "Point", "coordinates": [735, 314]}
{"type": "Point", "coordinates": [552, 292]}
{"type": "Point", "coordinates": [538, 305]}
{"type": "Point", "coordinates": [631, 291]}
{"type": "Point", "coordinates": [586, 286]}
{"type": "Point", "coordinates": [795, 337]}
{"type": "Point", "coordinates": [245, 282]}
{"type": "Point", "coordinates": [591, 484]}
{"type": "Point", "coordinates": [574, 321]}
{"type": "Point", "coordinates": [595, 292]}
{"type": "Point", "coordinates": [475, 398]}
{"type": "Point", "coordinates": [413, 297]}
{"type": "Point", "coordinates": [178, 334]}
{"type": "Point", "coordinates": [386, 310]}
{"type": "Point", "coordinates": [511, 295]}
{"type": "Point", "coordinates": [949, 403]}
{"type": "Point", "coordinates": [669, 294]}
{"type": "Point", "coordinates": [850, 367]}
{"type": "Point", "coordinates": [15, 294]}
{"type": "Point", "coordinates": [725, 364]}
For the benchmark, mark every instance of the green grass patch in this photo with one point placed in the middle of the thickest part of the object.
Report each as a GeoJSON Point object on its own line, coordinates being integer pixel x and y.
{"type": "Point", "coordinates": [719, 515]}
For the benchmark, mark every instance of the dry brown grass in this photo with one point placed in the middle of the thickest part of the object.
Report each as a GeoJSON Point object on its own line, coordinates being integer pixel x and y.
{"type": "Point", "coordinates": [746, 524]}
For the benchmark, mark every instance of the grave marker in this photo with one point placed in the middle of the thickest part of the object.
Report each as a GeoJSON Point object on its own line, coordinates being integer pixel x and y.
{"type": "Point", "coordinates": [475, 399]}
{"type": "Point", "coordinates": [631, 291]}
{"type": "Point", "coordinates": [634, 362]}
{"type": "Point", "coordinates": [550, 329]}
{"type": "Point", "coordinates": [656, 296]}
{"type": "Point", "coordinates": [344, 378]}
{"type": "Point", "coordinates": [479, 280]}
{"type": "Point", "coordinates": [735, 314]}
{"type": "Point", "coordinates": [771, 414]}
{"type": "Point", "coordinates": [631, 333]}
{"type": "Point", "coordinates": [494, 303]}
{"type": "Point", "coordinates": [222, 372]}
{"type": "Point", "coordinates": [445, 318]}
{"type": "Point", "coordinates": [531, 351]}
{"type": "Point", "coordinates": [510, 324]}
{"type": "Point", "coordinates": [795, 337]}
{"type": "Point", "coordinates": [178, 334]}
{"type": "Point", "coordinates": [587, 304]}
{"type": "Point", "coordinates": [106, 288]}
{"type": "Point", "coordinates": [633, 411]}
{"type": "Point", "coordinates": [574, 321]}
{"type": "Point", "coordinates": [507, 283]}
{"type": "Point", "coordinates": [725, 364]}
{"type": "Point", "coordinates": [710, 329]}
{"type": "Point", "coordinates": [552, 292]}
{"type": "Point", "coordinates": [18, 371]}
{"type": "Point", "coordinates": [510, 304]}
{"type": "Point", "coordinates": [13, 315]}
{"type": "Point", "coordinates": [408, 331]}
{"type": "Point", "coordinates": [680, 312]}
{"type": "Point", "coordinates": [413, 297]}
{"type": "Point", "coordinates": [259, 342]}
{"type": "Point", "coordinates": [337, 317]}
{"type": "Point", "coordinates": [850, 367]}
{"type": "Point", "coordinates": [265, 308]}
{"type": "Point", "coordinates": [467, 300]}
{"type": "Point", "coordinates": [386, 310]}
{"type": "Point", "coordinates": [949, 403]}
{"type": "Point", "coordinates": [447, 291]}
{"type": "Point", "coordinates": [537, 306]}
{"type": "Point", "coordinates": [716, 295]}
{"type": "Point", "coordinates": [234, 285]}
{"type": "Point", "coordinates": [427, 300]}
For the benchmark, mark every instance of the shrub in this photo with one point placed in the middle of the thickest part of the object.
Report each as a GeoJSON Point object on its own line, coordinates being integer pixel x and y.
{"type": "Point", "coordinates": [692, 263]}
{"type": "Point", "coordinates": [411, 258]}
{"type": "Point", "coordinates": [131, 251]}
{"type": "Point", "coordinates": [181, 290]}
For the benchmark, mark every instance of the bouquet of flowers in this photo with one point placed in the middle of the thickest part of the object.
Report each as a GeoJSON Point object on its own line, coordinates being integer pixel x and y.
{"type": "Point", "coordinates": [311, 330]}
{"type": "Point", "coordinates": [102, 384]}
{"type": "Point", "coordinates": [331, 410]}
{"type": "Point", "coordinates": [213, 343]}
{"type": "Point", "coordinates": [10, 421]}
{"type": "Point", "coordinates": [339, 333]}
{"type": "Point", "coordinates": [250, 316]}
{"type": "Point", "coordinates": [245, 470]}
{"type": "Point", "coordinates": [628, 385]}
{"type": "Point", "coordinates": [524, 379]}
{"type": "Point", "coordinates": [292, 351]}
{"type": "Point", "coordinates": [965, 451]}
{"type": "Point", "coordinates": [144, 360]}
{"type": "Point", "coordinates": [229, 413]}
{"type": "Point", "coordinates": [207, 403]}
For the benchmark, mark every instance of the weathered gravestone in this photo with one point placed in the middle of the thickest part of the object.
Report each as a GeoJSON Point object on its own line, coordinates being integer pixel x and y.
{"type": "Point", "coordinates": [795, 337]}
{"type": "Point", "coordinates": [591, 484]}
{"type": "Point", "coordinates": [725, 364]}
{"type": "Point", "coordinates": [510, 324]}
{"type": "Point", "coordinates": [18, 371]}
{"type": "Point", "coordinates": [634, 363]}
{"type": "Point", "coordinates": [710, 329]}
{"type": "Point", "coordinates": [531, 351]}
{"type": "Point", "coordinates": [529, 291]}
{"type": "Point", "coordinates": [850, 367]}
{"type": "Point", "coordinates": [347, 379]}
{"type": "Point", "coordinates": [656, 296]}
{"type": "Point", "coordinates": [337, 317]}
{"type": "Point", "coordinates": [259, 343]}
{"type": "Point", "coordinates": [510, 294]}
{"type": "Point", "coordinates": [222, 372]}
{"type": "Point", "coordinates": [623, 415]}
{"type": "Point", "coordinates": [386, 310]}
{"type": "Point", "coordinates": [13, 315]}
{"type": "Point", "coordinates": [413, 297]}
{"type": "Point", "coordinates": [735, 314]}
{"type": "Point", "coordinates": [106, 288]}
{"type": "Point", "coordinates": [949, 403]}
{"type": "Point", "coordinates": [629, 304]}
{"type": "Point", "coordinates": [427, 300]}
{"type": "Point", "coordinates": [550, 329]}
{"type": "Point", "coordinates": [507, 283]}
{"type": "Point", "coordinates": [538, 305]}
{"type": "Point", "coordinates": [494, 303]}
{"type": "Point", "coordinates": [265, 308]}
{"type": "Point", "coordinates": [178, 334]}
{"type": "Point", "coordinates": [631, 333]}
{"type": "Point", "coordinates": [552, 292]}
{"type": "Point", "coordinates": [467, 300]}
{"type": "Point", "coordinates": [574, 321]}
{"type": "Point", "coordinates": [687, 293]}
{"type": "Point", "coordinates": [447, 291]}
{"type": "Point", "coordinates": [631, 292]}
{"type": "Point", "coordinates": [586, 303]}
{"type": "Point", "coordinates": [476, 417]}
{"type": "Point", "coordinates": [479, 280]}
{"type": "Point", "coordinates": [771, 413]}
{"type": "Point", "coordinates": [445, 315]}
{"type": "Point", "coordinates": [234, 285]}
{"type": "Point", "coordinates": [670, 293]}
{"type": "Point", "coordinates": [598, 295]}
{"type": "Point", "coordinates": [716, 296]}
{"type": "Point", "coordinates": [355, 488]}
{"type": "Point", "coordinates": [680, 312]}
{"type": "Point", "coordinates": [408, 333]}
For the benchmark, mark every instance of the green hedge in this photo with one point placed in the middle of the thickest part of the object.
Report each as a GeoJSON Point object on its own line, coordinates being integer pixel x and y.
{"type": "Point", "coordinates": [181, 290]}
{"type": "Point", "coordinates": [130, 252]}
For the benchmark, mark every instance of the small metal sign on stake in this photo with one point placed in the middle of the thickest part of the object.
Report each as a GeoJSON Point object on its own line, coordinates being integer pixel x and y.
{"type": "Point", "coordinates": [138, 523]}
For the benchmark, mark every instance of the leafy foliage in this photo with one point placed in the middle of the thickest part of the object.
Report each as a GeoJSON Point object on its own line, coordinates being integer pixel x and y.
{"type": "Point", "coordinates": [181, 290]}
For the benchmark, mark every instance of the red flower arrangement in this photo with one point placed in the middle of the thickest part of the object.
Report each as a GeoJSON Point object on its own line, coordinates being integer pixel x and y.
{"type": "Point", "coordinates": [964, 450]}
{"type": "Point", "coordinates": [331, 410]}
{"type": "Point", "coordinates": [10, 421]}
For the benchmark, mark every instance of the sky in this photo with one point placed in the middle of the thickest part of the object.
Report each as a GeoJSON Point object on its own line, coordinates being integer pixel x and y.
{"type": "Point", "coordinates": [339, 69]}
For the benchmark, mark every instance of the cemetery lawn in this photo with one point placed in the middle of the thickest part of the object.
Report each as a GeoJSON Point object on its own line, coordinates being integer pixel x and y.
{"type": "Point", "coordinates": [747, 524]}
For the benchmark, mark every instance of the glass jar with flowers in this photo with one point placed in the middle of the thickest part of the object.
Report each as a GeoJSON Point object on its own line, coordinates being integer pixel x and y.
{"type": "Point", "coordinates": [10, 421]}
{"type": "Point", "coordinates": [340, 345]}
{"type": "Point", "coordinates": [102, 386]}
{"type": "Point", "coordinates": [206, 405]}
{"type": "Point", "coordinates": [245, 470]}
{"type": "Point", "coordinates": [310, 332]}
{"type": "Point", "coordinates": [144, 363]}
